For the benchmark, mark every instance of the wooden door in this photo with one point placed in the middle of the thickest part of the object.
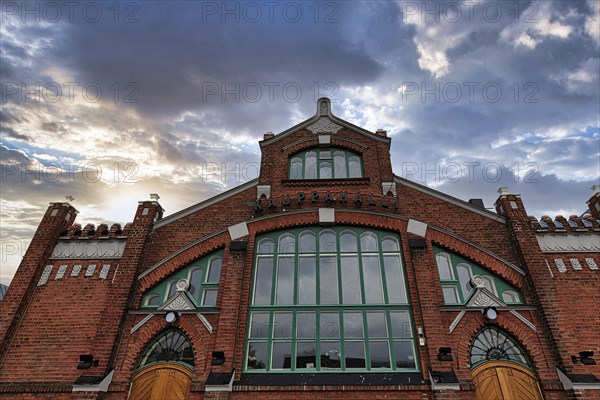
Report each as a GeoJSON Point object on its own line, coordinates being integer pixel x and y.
{"type": "Point", "coordinates": [161, 382]}
{"type": "Point", "coordinates": [505, 381]}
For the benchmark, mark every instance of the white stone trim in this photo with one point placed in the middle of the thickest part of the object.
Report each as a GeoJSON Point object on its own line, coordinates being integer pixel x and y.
{"type": "Point", "coordinates": [221, 388]}
{"type": "Point", "coordinates": [443, 386]}
{"type": "Point", "coordinates": [45, 275]}
{"type": "Point", "coordinates": [568, 384]}
{"type": "Point", "coordinates": [452, 200]}
{"type": "Point", "coordinates": [388, 187]}
{"type": "Point", "coordinates": [456, 320]}
{"type": "Point", "coordinates": [205, 322]}
{"type": "Point", "coordinates": [141, 323]}
{"type": "Point", "coordinates": [569, 242]}
{"type": "Point", "coordinates": [238, 230]}
{"type": "Point", "coordinates": [524, 320]}
{"type": "Point", "coordinates": [324, 140]}
{"type": "Point", "coordinates": [263, 189]}
{"type": "Point", "coordinates": [416, 227]}
{"type": "Point", "coordinates": [204, 204]}
{"type": "Point", "coordinates": [327, 216]}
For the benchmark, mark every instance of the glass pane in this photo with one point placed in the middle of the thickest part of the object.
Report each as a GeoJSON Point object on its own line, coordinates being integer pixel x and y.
{"type": "Point", "coordinates": [330, 325]}
{"type": "Point", "coordinates": [444, 267]}
{"type": "Point", "coordinates": [510, 296]}
{"type": "Point", "coordinates": [214, 273]}
{"type": "Point", "coordinates": [154, 300]}
{"type": "Point", "coordinates": [325, 155]}
{"type": "Point", "coordinates": [403, 352]}
{"type": "Point", "coordinates": [400, 324]}
{"type": "Point", "coordinates": [355, 354]}
{"type": "Point", "coordinates": [310, 165]}
{"type": "Point", "coordinates": [210, 297]}
{"type": "Point", "coordinates": [390, 244]}
{"type": "Point", "coordinates": [330, 355]}
{"type": "Point", "coordinates": [306, 355]}
{"type": "Point", "coordinates": [287, 243]}
{"type": "Point", "coordinates": [281, 355]}
{"type": "Point", "coordinates": [257, 355]}
{"type": "Point", "coordinates": [325, 170]}
{"type": "Point", "coordinates": [327, 242]}
{"type": "Point", "coordinates": [195, 282]}
{"type": "Point", "coordinates": [380, 354]}
{"type": "Point", "coordinates": [354, 167]}
{"type": "Point", "coordinates": [308, 243]}
{"type": "Point", "coordinates": [307, 280]}
{"type": "Point", "coordinates": [350, 280]}
{"type": "Point", "coordinates": [259, 326]}
{"type": "Point", "coordinates": [450, 295]}
{"type": "Point", "coordinates": [489, 283]}
{"type": "Point", "coordinates": [306, 325]}
{"type": "Point", "coordinates": [353, 325]}
{"type": "Point", "coordinates": [264, 274]}
{"type": "Point", "coordinates": [328, 280]}
{"type": "Point", "coordinates": [282, 325]}
{"type": "Point", "coordinates": [266, 246]}
{"type": "Point", "coordinates": [394, 279]}
{"type": "Point", "coordinates": [348, 242]}
{"type": "Point", "coordinates": [285, 281]}
{"type": "Point", "coordinates": [372, 278]}
{"type": "Point", "coordinates": [339, 164]}
{"type": "Point", "coordinates": [296, 168]}
{"type": "Point", "coordinates": [172, 289]}
{"type": "Point", "coordinates": [368, 242]}
{"type": "Point", "coordinates": [464, 277]}
{"type": "Point", "coordinates": [376, 324]}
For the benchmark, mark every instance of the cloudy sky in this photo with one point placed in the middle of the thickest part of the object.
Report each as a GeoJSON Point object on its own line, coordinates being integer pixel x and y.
{"type": "Point", "coordinates": [110, 101]}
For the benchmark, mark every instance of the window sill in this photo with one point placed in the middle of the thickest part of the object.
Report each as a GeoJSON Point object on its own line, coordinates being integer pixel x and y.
{"type": "Point", "coordinates": [333, 379]}
{"type": "Point", "coordinates": [321, 182]}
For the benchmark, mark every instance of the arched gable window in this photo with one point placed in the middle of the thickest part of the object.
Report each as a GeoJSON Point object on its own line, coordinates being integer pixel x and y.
{"type": "Point", "coordinates": [169, 346]}
{"type": "Point", "coordinates": [455, 275]}
{"type": "Point", "coordinates": [332, 299]}
{"type": "Point", "coordinates": [203, 276]}
{"type": "Point", "coordinates": [493, 344]}
{"type": "Point", "coordinates": [326, 163]}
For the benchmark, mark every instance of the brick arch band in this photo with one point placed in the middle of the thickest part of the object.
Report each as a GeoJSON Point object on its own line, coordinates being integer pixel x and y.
{"type": "Point", "coordinates": [307, 217]}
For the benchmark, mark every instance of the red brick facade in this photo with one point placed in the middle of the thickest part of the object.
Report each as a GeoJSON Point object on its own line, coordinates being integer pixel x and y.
{"type": "Point", "coordinates": [50, 316]}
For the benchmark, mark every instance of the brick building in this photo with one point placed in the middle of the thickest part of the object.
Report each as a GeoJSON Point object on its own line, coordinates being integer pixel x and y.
{"type": "Point", "coordinates": [327, 277]}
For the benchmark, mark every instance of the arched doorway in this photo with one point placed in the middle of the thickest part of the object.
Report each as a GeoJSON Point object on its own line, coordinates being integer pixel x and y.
{"type": "Point", "coordinates": [165, 369]}
{"type": "Point", "coordinates": [500, 368]}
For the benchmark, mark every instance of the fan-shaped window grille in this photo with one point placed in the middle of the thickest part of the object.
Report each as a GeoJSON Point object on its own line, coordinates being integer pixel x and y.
{"type": "Point", "coordinates": [492, 344]}
{"type": "Point", "coordinates": [170, 346]}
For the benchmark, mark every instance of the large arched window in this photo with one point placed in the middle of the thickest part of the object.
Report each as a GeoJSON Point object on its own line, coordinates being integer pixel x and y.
{"type": "Point", "coordinates": [203, 277]}
{"type": "Point", "coordinates": [329, 300]}
{"type": "Point", "coordinates": [493, 344]}
{"type": "Point", "coordinates": [326, 163]}
{"type": "Point", "coordinates": [170, 346]}
{"type": "Point", "coordinates": [455, 275]}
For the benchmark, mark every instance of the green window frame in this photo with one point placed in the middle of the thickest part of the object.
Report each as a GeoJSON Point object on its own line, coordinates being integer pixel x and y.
{"type": "Point", "coordinates": [329, 300]}
{"type": "Point", "coordinates": [325, 163]}
{"type": "Point", "coordinates": [203, 276]}
{"type": "Point", "coordinates": [456, 272]}
{"type": "Point", "coordinates": [171, 345]}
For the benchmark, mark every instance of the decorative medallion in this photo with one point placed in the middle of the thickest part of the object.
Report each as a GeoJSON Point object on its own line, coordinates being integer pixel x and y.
{"type": "Point", "coordinates": [324, 125]}
{"type": "Point", "coordinates": [560, 264]}
{"type": "Point", "coordinates": [104, 271]}
{"type": "Point", "coordinates": [45, 275]}
{"type": "Point", "coordinates": [61, 272]}
{"type": "Point", "coordinates": [575, 263]}
{"type": "Point", "coordinates": [90, 270]}
{"type": "Point", "coordinates": [76, 270]}
{"type": "Point", "coordinates": [591, 263]}
{"type": "Point", "coordinates": [182, 285]}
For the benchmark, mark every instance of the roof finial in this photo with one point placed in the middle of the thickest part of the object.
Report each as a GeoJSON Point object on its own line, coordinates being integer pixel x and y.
{"type": "Point", "coordinates": [324, 106]}
{"type": "Point", "coordinates": [69, 198]}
